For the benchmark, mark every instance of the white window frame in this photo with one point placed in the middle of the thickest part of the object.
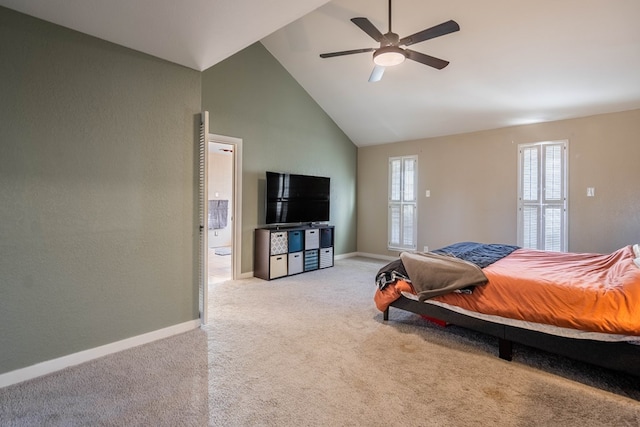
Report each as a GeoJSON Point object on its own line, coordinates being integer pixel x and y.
{"type": "Point", "coordinates": [403, 204]}
{"type": "Point", "coordinates": [551, 195]}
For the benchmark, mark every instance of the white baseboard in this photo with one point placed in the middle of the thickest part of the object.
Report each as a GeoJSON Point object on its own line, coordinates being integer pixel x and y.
{"type": "Point", "coordinates": [345, 256]}
{"type": "Point", "coordinates": [246, 275]}
{"type": "Point", "coordinates": [376, 256]}
{"type": "Point", "coordinates": [50, 366]}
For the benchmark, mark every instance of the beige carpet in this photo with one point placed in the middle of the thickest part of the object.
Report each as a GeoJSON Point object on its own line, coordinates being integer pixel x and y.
{"type": "Point", "coordinates": [312, 350]}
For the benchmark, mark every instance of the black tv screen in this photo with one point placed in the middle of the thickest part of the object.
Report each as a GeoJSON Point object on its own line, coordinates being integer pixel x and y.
{"type": "Point", "coordinates": [292, 198]}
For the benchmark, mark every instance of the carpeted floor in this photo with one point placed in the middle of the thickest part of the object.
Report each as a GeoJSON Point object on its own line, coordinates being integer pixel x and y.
{"type": "Point", "coordinates": [312, 350]}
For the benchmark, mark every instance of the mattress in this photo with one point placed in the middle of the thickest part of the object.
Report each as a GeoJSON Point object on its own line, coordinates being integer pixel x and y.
{"type": "Point", "coordinates": [586, 296]}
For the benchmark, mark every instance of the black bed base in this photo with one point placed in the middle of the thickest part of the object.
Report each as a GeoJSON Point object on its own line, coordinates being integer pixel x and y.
{"type": "Point", "coordinates": [618, 356]}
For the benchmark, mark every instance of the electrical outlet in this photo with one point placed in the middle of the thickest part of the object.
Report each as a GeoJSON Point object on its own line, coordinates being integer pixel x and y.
{"type": "Point", "coordinates": [426, 249]}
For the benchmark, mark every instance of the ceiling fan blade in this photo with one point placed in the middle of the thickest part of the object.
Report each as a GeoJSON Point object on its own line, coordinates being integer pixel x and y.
{"type": "Point", "coordinates": [430, 33]}
{"type": "Point", "coordinates": [426, 59]}
{"type": "Point", "coordinates": [366, 26]}
{"type": "Point", "coordinates": [345, 52]}
{"type": "Point", "coordinates": [376, 74]}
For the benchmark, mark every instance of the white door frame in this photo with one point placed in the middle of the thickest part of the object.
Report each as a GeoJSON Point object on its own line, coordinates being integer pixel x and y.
{"type": "Point", "coordinates": [236, 215]}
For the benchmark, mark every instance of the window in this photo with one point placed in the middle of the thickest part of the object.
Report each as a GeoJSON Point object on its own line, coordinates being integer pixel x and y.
{"type": "Point", "coordinates": [542, 195]}
{"type": "Point", "coordinates": [403, 209]}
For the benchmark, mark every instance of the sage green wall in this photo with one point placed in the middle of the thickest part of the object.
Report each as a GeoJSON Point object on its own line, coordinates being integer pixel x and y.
{"type": "Point", "coordinates": [97, 192]}
{"type": "Point", "coordinates": [473, 183]}
{"type": "Point", "coordinates": [251, 96]}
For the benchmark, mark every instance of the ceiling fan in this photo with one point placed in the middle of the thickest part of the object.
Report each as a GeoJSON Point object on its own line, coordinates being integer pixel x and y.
{"type": "Point", "coordinates": [390, 53]}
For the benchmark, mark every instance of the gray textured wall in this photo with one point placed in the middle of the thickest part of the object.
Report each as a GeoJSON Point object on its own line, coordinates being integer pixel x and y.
{"type": "Point", "coordinates": [251, 96]}
{"type": "Point", "coordinates": [97, 192]}
{"type": "Point", "coordinates": [473, 182]}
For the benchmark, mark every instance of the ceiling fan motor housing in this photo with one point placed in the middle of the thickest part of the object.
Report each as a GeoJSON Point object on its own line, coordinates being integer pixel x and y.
{"type": "Point", "coordinates": [390, 39]}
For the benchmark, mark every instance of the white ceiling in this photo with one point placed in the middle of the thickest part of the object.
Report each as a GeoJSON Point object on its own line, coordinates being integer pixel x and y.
{"type": "Point", "coordinates": [193, 33]}
{"type": "Point", "coordinates": [512, 62]}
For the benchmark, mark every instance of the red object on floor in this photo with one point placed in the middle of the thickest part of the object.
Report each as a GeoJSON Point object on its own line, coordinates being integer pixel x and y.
{"type": "Point", "coordinates": [434, 320]}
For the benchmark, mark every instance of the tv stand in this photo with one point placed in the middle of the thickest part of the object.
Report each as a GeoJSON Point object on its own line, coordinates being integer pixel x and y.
{"type": "Point", "coordinates": [280, 251]}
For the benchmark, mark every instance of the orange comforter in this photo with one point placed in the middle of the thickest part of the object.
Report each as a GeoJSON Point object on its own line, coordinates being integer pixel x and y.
{"type": "Point", "coordinates": [589, 292]}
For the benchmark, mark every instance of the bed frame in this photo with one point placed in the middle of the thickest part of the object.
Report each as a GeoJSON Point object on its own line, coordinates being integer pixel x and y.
{"type": "Point", "coordinates": [618, 356]}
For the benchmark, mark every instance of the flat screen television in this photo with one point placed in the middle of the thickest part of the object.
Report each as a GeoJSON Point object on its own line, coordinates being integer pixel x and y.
{"type": "Point", "coordinates": [292, 198]}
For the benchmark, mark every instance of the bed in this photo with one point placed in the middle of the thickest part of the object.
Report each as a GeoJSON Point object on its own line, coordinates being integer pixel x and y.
{"type": "Point", "coordinates": [584, 306]}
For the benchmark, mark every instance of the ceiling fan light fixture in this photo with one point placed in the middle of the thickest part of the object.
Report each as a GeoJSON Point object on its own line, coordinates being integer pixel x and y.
{"type": "Point", "coordinates": [388, 56]}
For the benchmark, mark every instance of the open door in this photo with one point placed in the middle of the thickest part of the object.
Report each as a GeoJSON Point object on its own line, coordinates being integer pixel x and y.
{"type": "Point", "coordinates": [203, 294]}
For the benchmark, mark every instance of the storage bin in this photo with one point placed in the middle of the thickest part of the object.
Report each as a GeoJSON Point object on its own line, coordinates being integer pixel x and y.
{"type": "Point", "coordinates": [311, 239]}
{"type": "Point", "coordinates": [326, 237]}
{"type": "Point", "coordinates": [278, 266]}
{"type": "Point", "coordinates": [279, 243]}
{"type": "Point", "coordinates": [296, 263]}
{"type": "Point", "coordinates": [311, 260]}
{"type": "Point", "coordinates": [326, 257]}
{"type": "Point", "coordinates": [296, 240]}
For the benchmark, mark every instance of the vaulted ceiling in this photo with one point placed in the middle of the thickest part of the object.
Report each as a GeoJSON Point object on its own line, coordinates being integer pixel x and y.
{"type": "Point", "coordinates": [511, 63]}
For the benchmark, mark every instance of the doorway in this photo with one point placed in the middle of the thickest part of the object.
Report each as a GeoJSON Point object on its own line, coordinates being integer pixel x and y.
{"type": "Point", "coordinates": [223, 178]}
{"type": "Point", "coordinates": [225, 227]}
{"type": "Point", "coordinates": [220, 211]}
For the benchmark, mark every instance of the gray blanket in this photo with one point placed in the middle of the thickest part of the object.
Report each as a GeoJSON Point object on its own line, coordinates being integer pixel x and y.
{"type": "Point", "coordinates": [434, 274]}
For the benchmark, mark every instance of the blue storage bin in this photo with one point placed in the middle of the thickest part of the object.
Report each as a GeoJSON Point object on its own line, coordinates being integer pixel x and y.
{"type": "Point", "coordinates": [296, 240]}
{"type": "Point", "coordinates": [326, 237]}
